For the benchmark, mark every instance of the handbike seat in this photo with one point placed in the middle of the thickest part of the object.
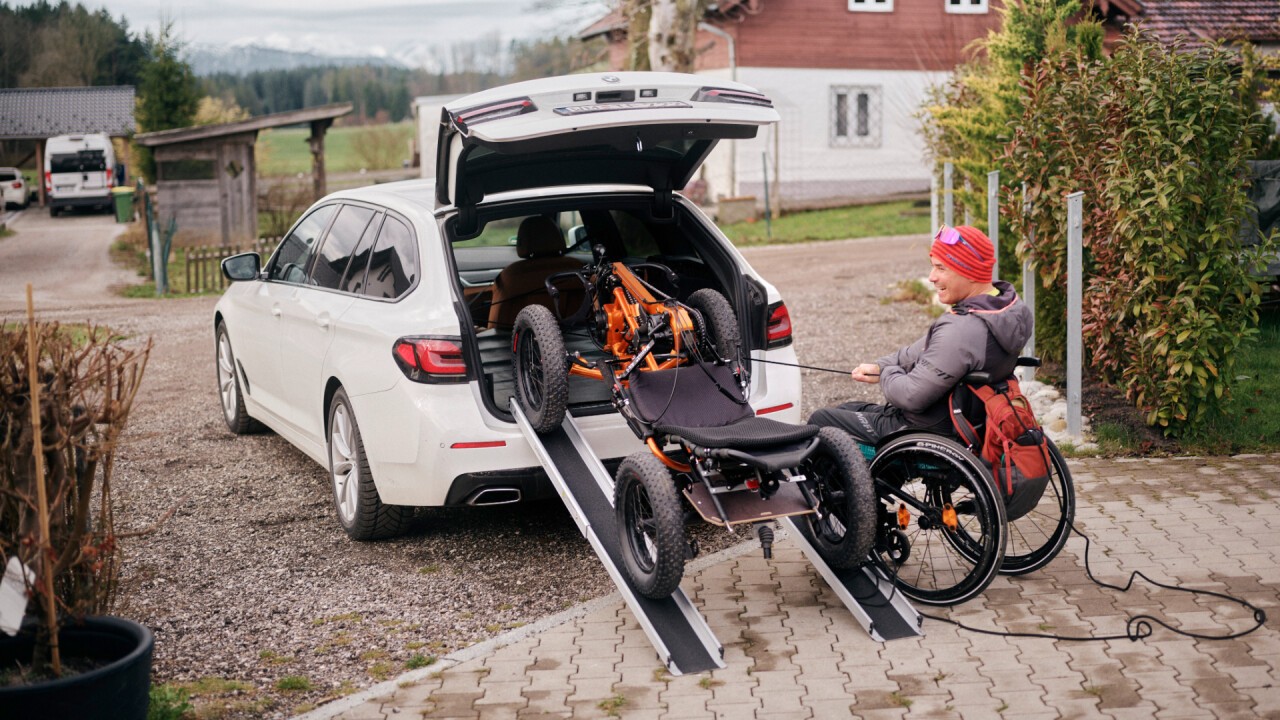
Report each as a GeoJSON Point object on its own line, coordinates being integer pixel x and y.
{"type": "Point", "coordinates": [747, 433]}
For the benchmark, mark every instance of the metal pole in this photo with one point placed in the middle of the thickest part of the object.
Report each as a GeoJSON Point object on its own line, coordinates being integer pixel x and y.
{"type": "Point", "coordinates": [948, 196]}
{"type": "Point", "coordinates": [733, 74]}
{"type": "Point", "coordinates": [968, 195]}
{"type": "Point", "coordinates": [1075, 265]}
{"type": "Point", "coordinates": [933, 200]}
{"type": "Point", "coordinates": [768, 216]}
{"type": "Point", "coordinates": [1029, 281]}
{"type": "Point", "coordinates": [993, 217]}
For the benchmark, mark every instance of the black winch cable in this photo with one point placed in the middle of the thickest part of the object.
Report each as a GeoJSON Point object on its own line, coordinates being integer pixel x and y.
{"type": "Point", "coordinates": [806, 367]}
{"type": "Point", "coordinates": [1137, 627]}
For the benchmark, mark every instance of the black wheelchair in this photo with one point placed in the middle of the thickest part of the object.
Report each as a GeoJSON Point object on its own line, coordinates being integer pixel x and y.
{"type": "Point", "coordinates": [942, 530]}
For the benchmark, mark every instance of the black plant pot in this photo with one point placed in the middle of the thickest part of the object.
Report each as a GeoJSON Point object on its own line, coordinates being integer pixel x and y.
{"type": "Point", "coordinates": [117, 690]}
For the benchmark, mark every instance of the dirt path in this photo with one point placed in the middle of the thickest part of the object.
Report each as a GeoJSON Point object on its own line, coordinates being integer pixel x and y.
{"type": "Point", "coordinates": [64, 258]}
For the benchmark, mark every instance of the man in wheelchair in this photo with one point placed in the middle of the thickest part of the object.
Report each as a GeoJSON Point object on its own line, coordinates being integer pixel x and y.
{"type": "Point", "coordinates": [984, 330]}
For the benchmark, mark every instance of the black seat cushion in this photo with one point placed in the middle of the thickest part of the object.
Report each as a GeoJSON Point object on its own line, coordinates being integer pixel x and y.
{"type": "Point", "coordinates": [689, 396]}
{"type": "Point", "coordinates": [752, 432]}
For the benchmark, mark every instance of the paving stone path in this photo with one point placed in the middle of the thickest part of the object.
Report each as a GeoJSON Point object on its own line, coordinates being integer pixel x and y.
{"type": "Point", "coordinates": [793, 651]}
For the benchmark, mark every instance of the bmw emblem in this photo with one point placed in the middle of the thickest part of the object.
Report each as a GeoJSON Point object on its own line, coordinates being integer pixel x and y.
{"type": "Point", "coordinates": [610, 78]}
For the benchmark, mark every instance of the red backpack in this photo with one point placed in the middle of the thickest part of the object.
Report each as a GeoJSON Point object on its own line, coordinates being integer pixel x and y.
{"type": "Point", "coordinates": [1013, 444]}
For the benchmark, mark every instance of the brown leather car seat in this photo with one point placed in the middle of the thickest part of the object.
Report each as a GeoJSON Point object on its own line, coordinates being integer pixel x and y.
{"type": "Point", "coordinates": [541, 246]}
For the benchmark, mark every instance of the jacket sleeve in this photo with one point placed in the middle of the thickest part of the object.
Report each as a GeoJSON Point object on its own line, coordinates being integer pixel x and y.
{"type": "Point", "coordinates": [906, 357]}
{"type": "Point", "coordinates": [947, 353]}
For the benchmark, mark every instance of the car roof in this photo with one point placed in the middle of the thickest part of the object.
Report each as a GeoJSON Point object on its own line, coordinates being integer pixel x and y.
{"type": "Point", "coordinates": [416, 194]}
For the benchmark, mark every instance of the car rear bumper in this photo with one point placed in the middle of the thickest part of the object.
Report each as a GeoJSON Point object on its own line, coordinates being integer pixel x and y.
{"type": "Point", "coordinates": [86, 201]}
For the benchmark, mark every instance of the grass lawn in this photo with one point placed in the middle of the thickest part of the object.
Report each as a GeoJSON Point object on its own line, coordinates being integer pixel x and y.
{"type": "Point", "coordinates": [895, 218]}
{"type": "Point", "coordinates": [1252, 419]}
{"type": "Point", "coordinates": [285, 151]}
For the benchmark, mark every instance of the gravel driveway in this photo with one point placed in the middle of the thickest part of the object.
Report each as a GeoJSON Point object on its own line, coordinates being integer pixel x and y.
{"type": "Point", "coordinates": [251, 581]}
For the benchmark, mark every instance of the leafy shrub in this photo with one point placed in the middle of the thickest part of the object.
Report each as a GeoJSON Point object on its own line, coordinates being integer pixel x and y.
{"type": "Point", "coordinates": [1158, 138]}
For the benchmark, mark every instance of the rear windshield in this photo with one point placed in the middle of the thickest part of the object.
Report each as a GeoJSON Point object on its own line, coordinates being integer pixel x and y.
{"type": "Point", "coordinates": [82, 161]}
{"type": "Point", "coordinates": [8, 175]}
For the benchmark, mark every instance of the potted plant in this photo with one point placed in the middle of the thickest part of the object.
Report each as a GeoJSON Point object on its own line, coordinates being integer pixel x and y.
{"type": "Point", "coordinates": [58, 546]}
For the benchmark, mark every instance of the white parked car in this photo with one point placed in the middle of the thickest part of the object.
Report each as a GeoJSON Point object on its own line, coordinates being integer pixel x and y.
{"type": "Point", "coordinates": [13, 188]}
{"type": "Point", "coordinates": [377, 338]}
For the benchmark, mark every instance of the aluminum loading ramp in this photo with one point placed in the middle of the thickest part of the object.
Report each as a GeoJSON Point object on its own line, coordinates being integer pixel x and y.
{"type": "Point", "coordinates": [871, 598]}
{"type": "Point", "coordinates": [678, 631]}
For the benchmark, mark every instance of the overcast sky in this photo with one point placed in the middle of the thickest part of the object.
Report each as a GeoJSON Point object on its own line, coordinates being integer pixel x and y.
{"type": "Point", "coordinates": [355, 26]}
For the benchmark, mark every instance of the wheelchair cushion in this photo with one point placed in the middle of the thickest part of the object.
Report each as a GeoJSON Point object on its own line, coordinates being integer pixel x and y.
{"type": "Point", "coordinates": [751, 432]}
{"type": "Point", "coordinates": [688, 397]}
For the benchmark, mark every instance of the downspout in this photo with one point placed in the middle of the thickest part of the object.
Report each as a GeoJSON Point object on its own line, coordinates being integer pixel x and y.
{"type": "Point", "coordinates": [733, 74]}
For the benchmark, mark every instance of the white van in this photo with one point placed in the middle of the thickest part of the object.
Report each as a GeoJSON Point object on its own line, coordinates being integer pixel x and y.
{"type": "Point", "coordinates": [79, 171]}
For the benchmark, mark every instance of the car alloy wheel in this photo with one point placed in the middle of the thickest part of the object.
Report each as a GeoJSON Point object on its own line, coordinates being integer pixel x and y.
{"type": "Point", "coordinates": [345, 471]}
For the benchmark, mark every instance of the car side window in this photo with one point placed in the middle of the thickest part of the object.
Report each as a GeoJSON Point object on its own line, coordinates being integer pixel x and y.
{"type": "Point", "coordinates": [353, 281]}
{"type": "Point", "coordinates": [394, 265]}
{"type": "Point", "coordinates": [339, 245]}
{"type": "Point", "coordinates": [291, 259]}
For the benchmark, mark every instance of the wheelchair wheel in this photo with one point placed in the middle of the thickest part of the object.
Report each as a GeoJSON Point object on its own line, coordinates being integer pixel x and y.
{"type": "Point", "coordinates": [542, 368]}
{"type": "Point", "coordinates": [1037, 537]}
{"type": "Point", "coordinates": [650, 525]}
{"type": "Point", "coordinates": [837, 474]}
{"type": "Point", "coordinates": [720, 323]}
{"type": "Point", "coordinates": [941, 525]}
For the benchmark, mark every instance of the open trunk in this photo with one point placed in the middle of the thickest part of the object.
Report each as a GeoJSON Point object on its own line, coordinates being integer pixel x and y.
{"type": "Point", "coordinates": [625, 225]}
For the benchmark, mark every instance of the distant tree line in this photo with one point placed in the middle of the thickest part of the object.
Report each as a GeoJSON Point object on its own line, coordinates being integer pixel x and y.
{"type": "Point", "coordinates": [64, 45]}
{"type": "Point", "coordinates": [382, 93]}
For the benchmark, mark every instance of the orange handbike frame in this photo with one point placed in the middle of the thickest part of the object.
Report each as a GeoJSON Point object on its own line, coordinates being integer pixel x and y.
{"type": "Point", "coordinates": [631, 300]}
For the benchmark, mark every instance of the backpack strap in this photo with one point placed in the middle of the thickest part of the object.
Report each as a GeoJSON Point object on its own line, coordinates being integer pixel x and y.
{"type": "Point", "coordinates": [962, 425]}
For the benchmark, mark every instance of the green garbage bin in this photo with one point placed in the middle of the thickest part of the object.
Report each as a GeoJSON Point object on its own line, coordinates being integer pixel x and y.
{"type": "Point", "coordinates": [123, 197]}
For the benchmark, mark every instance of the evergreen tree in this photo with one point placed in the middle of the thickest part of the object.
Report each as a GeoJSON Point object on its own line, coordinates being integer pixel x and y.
{"type": "Point", "coordinates": [168, 94]}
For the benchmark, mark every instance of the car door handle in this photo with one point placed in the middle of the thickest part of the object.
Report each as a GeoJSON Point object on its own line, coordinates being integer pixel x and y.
{"type": "Point", "coordinates": [275, 311]}
{"type": "Point", "coordinates": [323, 322]}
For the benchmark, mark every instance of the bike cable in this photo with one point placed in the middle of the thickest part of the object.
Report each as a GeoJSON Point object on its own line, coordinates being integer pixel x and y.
{"type": "Point", "coordinates": [806, 367]}
{"type": "Point", "coordinates": [1137, 627]}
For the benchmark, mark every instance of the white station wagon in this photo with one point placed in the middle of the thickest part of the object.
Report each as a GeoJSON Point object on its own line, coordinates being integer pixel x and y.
{"type": "Point", "coordinates": [377, 338]}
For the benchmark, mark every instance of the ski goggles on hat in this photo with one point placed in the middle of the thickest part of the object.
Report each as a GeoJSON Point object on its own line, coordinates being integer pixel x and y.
{"type": "Point", "coordinates": [951, 236]}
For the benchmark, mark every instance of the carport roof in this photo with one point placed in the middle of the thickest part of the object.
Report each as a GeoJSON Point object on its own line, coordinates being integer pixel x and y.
{"type": "Point", "coordinates": [262, 122]}
{"type": "Point", "coordinates": [39, 113]}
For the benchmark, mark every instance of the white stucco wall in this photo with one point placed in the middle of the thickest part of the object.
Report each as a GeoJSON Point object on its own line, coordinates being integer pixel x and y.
{"type": "Point", "coordinates": [810, 167]}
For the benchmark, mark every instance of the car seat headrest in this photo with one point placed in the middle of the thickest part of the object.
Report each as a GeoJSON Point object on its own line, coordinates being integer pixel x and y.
{"type": "Point", "coordinates": [538, 236]}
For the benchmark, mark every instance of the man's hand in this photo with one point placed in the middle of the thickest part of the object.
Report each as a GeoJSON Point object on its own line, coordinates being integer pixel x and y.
{"type": "Point", "coordinates": [867, 373]}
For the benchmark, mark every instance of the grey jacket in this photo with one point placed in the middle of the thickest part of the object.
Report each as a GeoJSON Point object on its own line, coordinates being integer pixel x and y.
{"type": "Point", "coordinates": [980, 333]}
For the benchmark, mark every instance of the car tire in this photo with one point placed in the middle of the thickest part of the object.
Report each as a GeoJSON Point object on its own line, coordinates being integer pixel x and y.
{"type": "Point", "coordinates": [720, 322]}
{"type": "Point", "coordinates": [360, 509]}
{"type": "Point", "coordinates": [229, 393]}
{"type": "Point", "coordinates": [541, 368]}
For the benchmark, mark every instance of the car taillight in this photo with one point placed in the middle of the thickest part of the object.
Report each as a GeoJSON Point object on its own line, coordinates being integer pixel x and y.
{"type": "Point", "coordinates": [430, 360]}
{"type": "Point", "coordinates": [48, 181]}
{"type": "Point", "coordinates": [17, 186]}
{"type": "Point", "coordinates": [778, 332]}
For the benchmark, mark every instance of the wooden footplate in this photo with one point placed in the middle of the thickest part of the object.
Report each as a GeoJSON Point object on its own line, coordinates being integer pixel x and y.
{"type": "Point", "coordinates": [745, 506]}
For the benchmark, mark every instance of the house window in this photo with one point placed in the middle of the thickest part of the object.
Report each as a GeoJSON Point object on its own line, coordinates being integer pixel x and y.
{"type": "Point", "coordinates": [967, 6]}
{"type": "Point", "coordinates": [855, 116]}
{"type": "Point", "coordinates": [870, 5]}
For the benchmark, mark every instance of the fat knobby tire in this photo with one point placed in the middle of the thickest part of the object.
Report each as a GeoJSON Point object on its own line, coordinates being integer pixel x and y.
{"type": "Point", "coordinates": [858, 503]}
{"type": "Point", "coordinates": [721, 322]}
{"type": "Point", "coordinates": [373, 519]}
{"type": "Point", "coordinates": [643, 476]}
{"type": "Point", "coordinates": [542, 391]}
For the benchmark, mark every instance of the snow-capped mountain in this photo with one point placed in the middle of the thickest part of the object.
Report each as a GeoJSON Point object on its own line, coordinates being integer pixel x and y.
{"type": "Point", "coordinates": [277, 53]}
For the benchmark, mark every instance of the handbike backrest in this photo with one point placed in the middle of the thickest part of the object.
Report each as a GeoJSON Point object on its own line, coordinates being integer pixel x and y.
{"type": "Point", "coordinates": [1012, 443]}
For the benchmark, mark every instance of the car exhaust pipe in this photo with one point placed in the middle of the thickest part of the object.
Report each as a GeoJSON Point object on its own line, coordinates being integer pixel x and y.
{"type": "Point", "coordinates": [495, 496]}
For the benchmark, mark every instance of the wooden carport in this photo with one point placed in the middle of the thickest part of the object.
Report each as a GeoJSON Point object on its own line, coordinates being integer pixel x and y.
{"type": "Point", "coordinates": [36, 114]}
{"type": "Point", "coordinates": [206, 178]}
